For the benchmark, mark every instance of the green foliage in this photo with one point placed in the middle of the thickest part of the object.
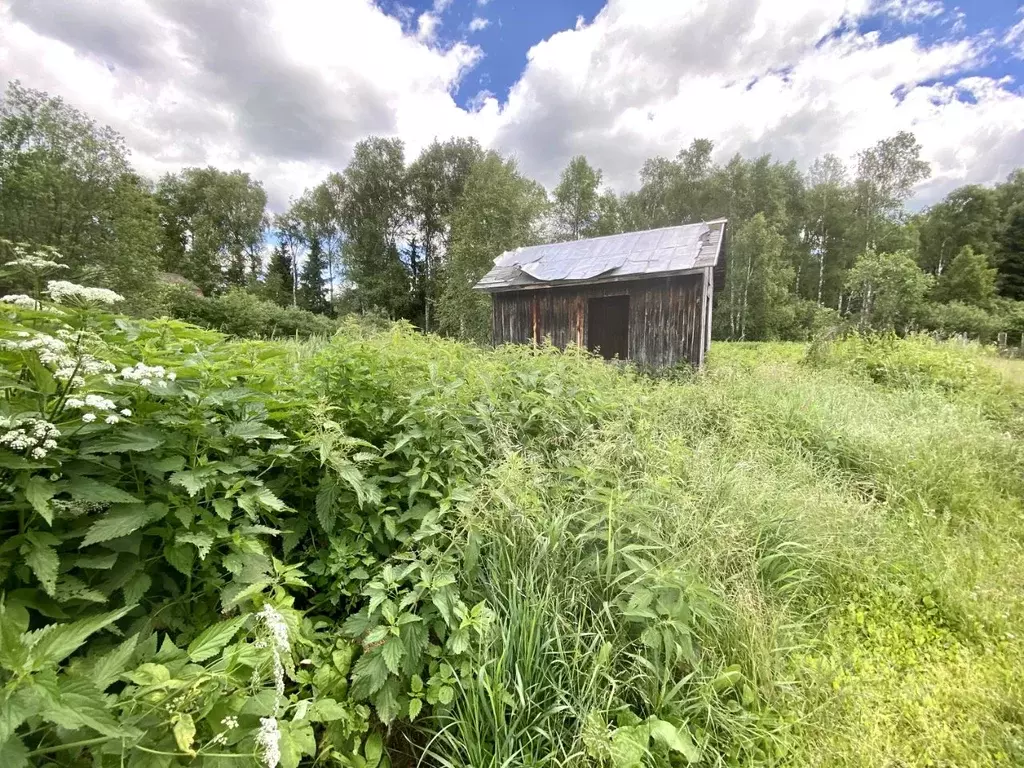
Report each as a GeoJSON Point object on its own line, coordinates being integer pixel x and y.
{"type": "Point", "coordinates": [968, 279]}
{"type": "Point", "coordinates": [239, 313]}
{"type": "Point", "coordinates": [213, 224]}
{"type": "Point", "coordinates": [577, 202]}
{"type": "Point", "coordinates": [889, 289]}
{"type": "Point", "coordinates": [499, 211]}
{"type": "Point", "coordinates": [65, 182]}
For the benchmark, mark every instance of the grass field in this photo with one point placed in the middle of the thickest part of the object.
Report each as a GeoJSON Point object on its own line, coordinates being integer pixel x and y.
{"type": "Point", "coordinates": [827, 546]}
{"type": "Point", "coordinates": [388, 549]}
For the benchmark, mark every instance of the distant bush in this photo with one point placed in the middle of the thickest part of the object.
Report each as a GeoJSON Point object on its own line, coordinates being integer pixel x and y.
{"type": "Point", "coordinates": [913, 362]}
{"type": "Point", "coordinates": [239, 313]}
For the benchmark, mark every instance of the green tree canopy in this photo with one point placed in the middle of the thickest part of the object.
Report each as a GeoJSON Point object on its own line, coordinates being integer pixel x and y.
{"type": "Point", "coordinates": [214, 222]}
{"type": "Point", "coordinates": [66, 182]}
{"type": "Point", "coordinates": [577, 205]}
{"type": "Point", "coordinates": [968, 279]}
{"type": "Point", "coordinates": [889, 289]}
{"type": "Point", "coordinates": [499, 210]}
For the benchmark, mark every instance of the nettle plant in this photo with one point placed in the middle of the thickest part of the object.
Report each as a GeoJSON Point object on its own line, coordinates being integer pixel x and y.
{"type": "Point", "coordinates": [146, 617]}
{"type": "Point", "coordinates": [216, 552]}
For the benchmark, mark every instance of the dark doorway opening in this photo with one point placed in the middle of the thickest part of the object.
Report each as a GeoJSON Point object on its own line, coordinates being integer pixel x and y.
{"type": "Point", "coordinates": [608, 326]}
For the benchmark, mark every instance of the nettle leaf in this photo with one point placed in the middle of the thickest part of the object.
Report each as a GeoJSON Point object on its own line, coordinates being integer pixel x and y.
{"type": "Point", "coordinates": [260, 498]}
{"type": "Point", "coordinates": [129, 440]}
{"type": "Point", "coordinates": [223, 508]}
{"type": "Point", "coordinates": [136, 588]}
{"type": "Point", "coordinates": [97, 492]}
{"type": "Point", "coordinates": [38, 492]}
{"type": "Point", "coordinates": [202, 541]}
{"type": "Point", "coordinates": [108, 668]}
{"type": "Point", "coordinates": [373, 750]}
{"type": "Point", "coordinates": [123, 520]}
{"type": "Point", "coordinates": [326, 711]}
{"type": "Point", "coordinates": [392, 651]}
{"type": "Point", "coordinates": [55, 642]}
{"type": "Point", "coordinates": [386, 702]}
{"type": "Point", "coordinates": [369, 674]}
{"type": "Point", "coordinates": [15, 708]}
{"type": "Point", "coordinates": [326, 499]}
{"type": "Point", "coordinates": [13, 753]}
{"type": "Point", "coordinates": [214, 638]}
{"type": "Point", "coordinates": [102, 562]}
{"type": "Point", "coordinates": [193, 481]}
{"type": "Point", "coordinates": [182, 557]}
{"type": "Point", "coordinates": [252, 430]}
{"type": "Point", "coordinates": [43, 560]}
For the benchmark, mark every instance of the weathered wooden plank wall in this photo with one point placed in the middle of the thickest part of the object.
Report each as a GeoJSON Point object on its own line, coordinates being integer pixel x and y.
{"type": "Point", "coordinates": [667, 317]}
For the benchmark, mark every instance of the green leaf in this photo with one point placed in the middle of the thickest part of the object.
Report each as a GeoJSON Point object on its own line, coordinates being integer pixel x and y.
{"type": "Point", "coordinates": [109, 667]}
{"type": "Point", "coordinates": [202, 542]}
{"type": "Point", "coordinates": [55, 642]}
{"type": "Point", "coordinates": [415, 705]}
{"type": "Point", "coordinates": [392, 651]}
{"type": "Point", "coordinates": [629, 746]}
{"type": "Point", "coordinates": [43, 560]}
{"type": "Point", "coordinates": [122, 520]}
{"type": "Point", "coordinates": [252, 430]}
{"type": "Point", "coordinates": [223, 508]}
{"type": "Point", "coordinates": [325, 711]}
{"type": "Point", "coordinates": [373, 750]}
{"type": "Point", "coordinates": [185, 733]}
{"type": "Point", "coordinates": [326, 498]}
{"type": "Point", "coordinates": [88, 489]}
{"type": "Point", "coordinates": [15, 709]}
{"type": "Point", "coordinates": [182, 557]}
{"type": "Point", "coordinates": [136, 588]}
{"type": "Point", "coordinates": [193, 482]}
{"type": "Point", "coordinates": [260, 498]}
{"type": "Point", "coordinates": [214, 638]}
{"type": "Point", "coordinates": [368, 674]}
{"type": "Point", "coordinates": [297, 739]}
{"type": "Point", "coordinates": [445, 694]}
{"type": "Point", "coordinates": [676, 739]}
{"type": "Point", "coordinates": [38, 491]}
{"type": "Point", "coordinates": [129, 440]}
{"type": "Point", "coordinates": [13, 753]}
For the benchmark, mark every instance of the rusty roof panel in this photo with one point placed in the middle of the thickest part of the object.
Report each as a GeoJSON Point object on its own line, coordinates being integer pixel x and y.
{"type": "Point", "coordinates": [652, 252]}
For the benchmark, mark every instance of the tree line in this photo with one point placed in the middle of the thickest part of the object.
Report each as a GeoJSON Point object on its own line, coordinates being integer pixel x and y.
{"type": "Point", "coordinates": [408, 237]}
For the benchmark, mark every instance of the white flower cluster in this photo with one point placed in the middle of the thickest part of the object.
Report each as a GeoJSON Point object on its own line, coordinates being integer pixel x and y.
{"type": "Point", "coordinates": [55, 353]}
{"type": "Point", "coordinates": [32, 436]}
{"type": "Point", "coordinates": [277, 630]}
{"type": "Point", "coordinates": [268, 739]}
{"type": "Point", "coordinates": [146, 374]}
{"type": "Point", "coordinates": [34, 262]}
{"type": "Point", "coordinates": [20, 300]}
{"type": "Point", "coordinates": [97, 403]}
{"type": "Point", "coordinates": [61, 290]}
{"type": "Point", "coordinates": [230, 722]}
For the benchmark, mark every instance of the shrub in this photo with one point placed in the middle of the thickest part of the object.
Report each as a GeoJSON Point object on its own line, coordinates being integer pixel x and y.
{"type": "Point", "coordinates": [239, 313]}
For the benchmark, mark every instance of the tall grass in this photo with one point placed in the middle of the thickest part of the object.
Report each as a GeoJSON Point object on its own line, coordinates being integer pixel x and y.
{"type": "Point", "coordinates": [780, 563]}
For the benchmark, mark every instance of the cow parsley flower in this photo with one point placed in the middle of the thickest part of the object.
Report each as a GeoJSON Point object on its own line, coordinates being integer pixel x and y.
{"type": "Point", "coordinates": [61, 291]}
{"type": "Point", "coordinates": [112, 419]}
{"type": "Point", "coordinates": [33, 262]}
{"type": "Point", "coordinates": [32, 436]}
{"type": "Point", "coordinates": [147, 374]}
{"type": "Point", "coordinates": [88, 418]}
{"type": "Point", "coordinates": [100, 403]}
{"type": "Point", "coordinates": [277, 630]}
{"type": "Point", "coordinates": [230, 722]}
{"type": "Point", "coordinates": [126, 412]}
{"type": "Point", "coordinates": [20, 300]}
{"type": "Point", "coordinates": [268, 739]}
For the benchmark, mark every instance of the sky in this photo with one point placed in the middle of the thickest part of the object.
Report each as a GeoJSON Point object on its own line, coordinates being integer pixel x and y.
{"type": "Point", "coordinates": [284, 89]}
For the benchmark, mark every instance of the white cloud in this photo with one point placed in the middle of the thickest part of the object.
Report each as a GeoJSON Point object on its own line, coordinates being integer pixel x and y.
{"type": "Point", "coordinates": [283, 88]}
{"type": "Point", "coordinates": [908, 11]}
{"type": "Point", "coordinates": [645, 78]}
{"type": "Point", "coordinates": [478, 24]}
{"type": "Point", "coordinates": [482, 3]}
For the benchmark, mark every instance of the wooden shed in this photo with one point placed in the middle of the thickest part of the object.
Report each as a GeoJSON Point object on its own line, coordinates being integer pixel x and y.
{"type": "Point", "coordinates": [640, 296]}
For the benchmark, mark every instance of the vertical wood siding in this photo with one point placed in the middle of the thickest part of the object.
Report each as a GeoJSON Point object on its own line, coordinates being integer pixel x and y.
{"type": "Point", "coordinates": [667, 317]}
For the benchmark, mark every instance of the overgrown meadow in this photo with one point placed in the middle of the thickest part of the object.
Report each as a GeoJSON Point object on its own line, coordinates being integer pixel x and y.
{"type": "Point", "coordinates": [384, 548]}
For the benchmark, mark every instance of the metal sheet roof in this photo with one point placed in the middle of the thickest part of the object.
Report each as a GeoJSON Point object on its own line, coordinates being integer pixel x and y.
{"type": "Point", "coordinates": [632, 254]}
